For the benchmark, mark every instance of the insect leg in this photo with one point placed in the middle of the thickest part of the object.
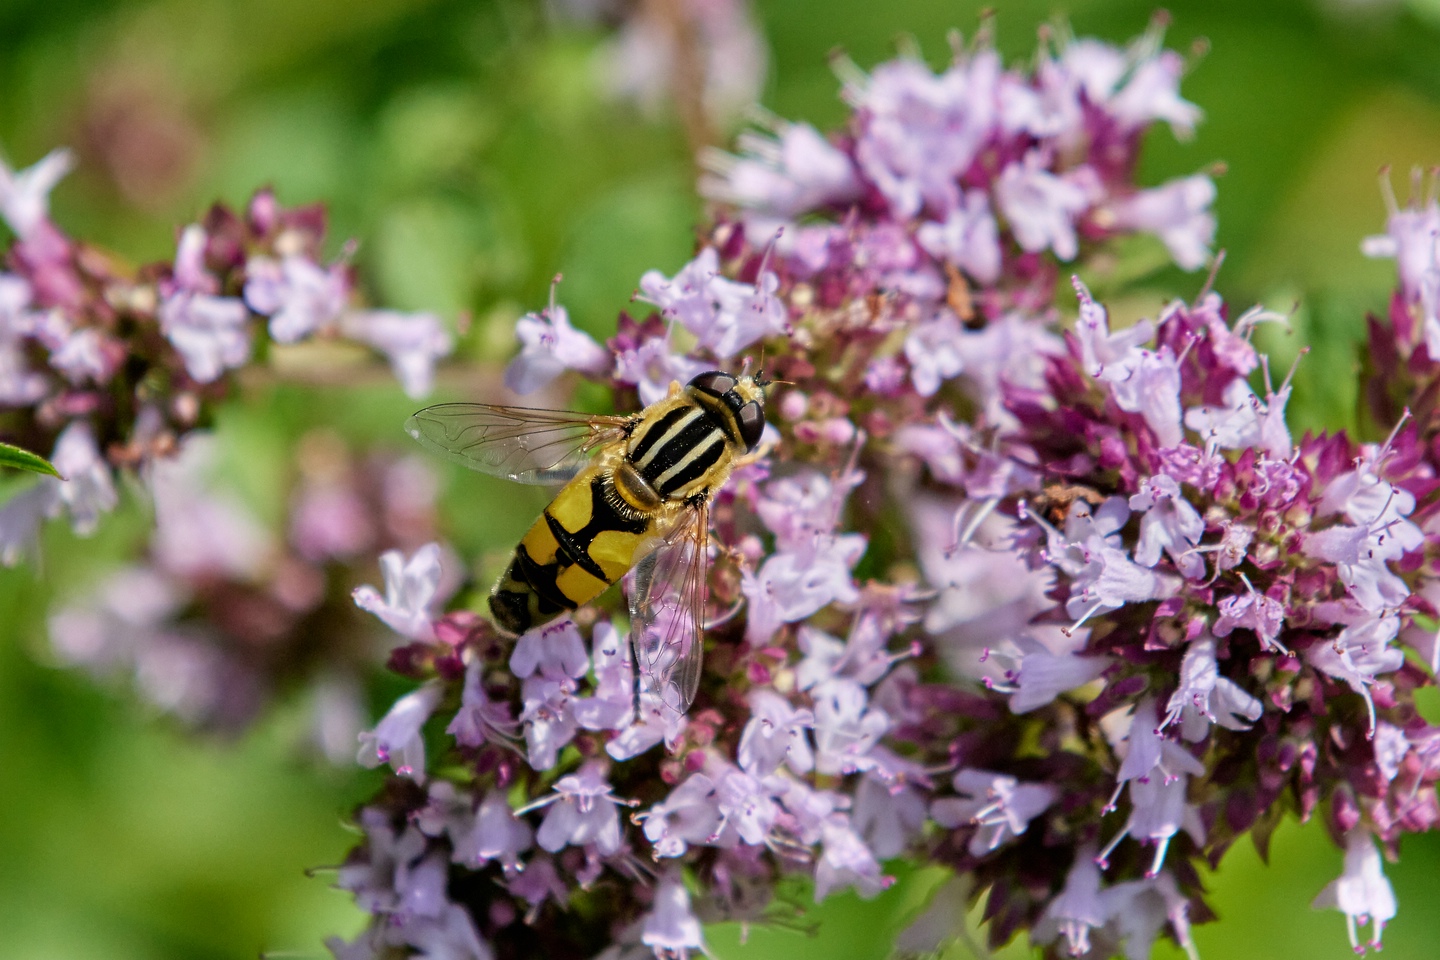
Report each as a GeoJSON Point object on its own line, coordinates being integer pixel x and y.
{"type": "Point", "coordinates": [634, 673]}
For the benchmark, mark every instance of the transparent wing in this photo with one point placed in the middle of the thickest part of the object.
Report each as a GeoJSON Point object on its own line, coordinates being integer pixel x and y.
{"type": "Point", "coordinates": [667, 611]}
{"type": "Point", "coordinates": [518, 443]}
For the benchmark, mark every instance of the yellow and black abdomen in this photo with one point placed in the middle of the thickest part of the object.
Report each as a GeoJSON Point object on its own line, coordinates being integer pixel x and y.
{"type": "Point", "coordinates": [583, 542]}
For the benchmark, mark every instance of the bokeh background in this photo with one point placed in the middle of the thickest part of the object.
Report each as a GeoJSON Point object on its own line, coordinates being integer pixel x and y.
{"type": "Point", "coordinates": [472, 150]}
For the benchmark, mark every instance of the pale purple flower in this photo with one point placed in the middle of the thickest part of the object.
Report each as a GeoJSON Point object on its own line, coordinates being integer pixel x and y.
{"type": "Point", "coordinates": [969, 238]}
{"type": "Point", "coordinates": [581, 812]}
{"type": "Point", "coordinates": [420, 888]}
{"type": "Point", "coordinates": [689, 815]}
{"type": "Point", "coordinates": [549, 347]}
{"type": "Point", "coordinates": [846, 726]}
{"type": "Point", "coordinates": [790, 587]}
{"type": "Point", "coordinates": [746, 805]}
{"type": "Point", "coordinates": [1009, 353]}
{"type": "Point", "coordinates": [1170, 524]}
{"type": "Point", "coordinates": [202, 531]}
{"type": "Point", "coordinates": [372, 880]}
{"type": "Point", "coordinates": [988, 594]}
{"type": "Point", "coordinates": [1043, 674]}
{"type": "Point", "coordinates": [297, 294]}
{"type": "Point", "coordinates": [479, 719]}
{"type": "Point", "coordinates": [1042, 208]}
{"type": "Point", "coordinates": [1153, 93]}
{"type": "Point", "coordinates": [189, 271]}
{"type": "Point", "coordinates": [412, 592]}
{"type": "Point", "coordinates": [1106, 355]}
{"type": "Point", "coordinates": [1361, 892]}
{"type": "Point", "coordinates": [547, 716]}
{"type": "Point", "coordinates": [1049, 109]}
{"type": "Point", "coordinates": [863, 656]}
{"type": "Point", "coordinates": [1155, 771]}
{"type": "Point", "coordinates": [659, 722]}
{"type": "Point", "coordinates": [1000, 806]}
{"type": "Point", "coordinates": [451, 936]}
{"type": "Point", "coordinates": [554, 650]}
{"type": "Point", "coordinates": [918, 131]}
{"type": "Point", "coordinates": [888, 816]}
{"type": "Point", "coordinates": [88, 490]}
{"type": "Point", "coordinates": [1079, 907]}
{"type": "Point", "coordinates": [497, 834]}
{"type": "Point", "coordinates": [396, 739]}
{"type": "Point", "coordinates": [1360, 653]}
{"type": "Point", "coordinates": [20, 386]}
{"type": "Point", "coordinates": [211, 333]}
{"type": "Point", "coordinates": [1391, 746]}
{"type": "Point", "coordinates": [746, 313]}
{"type": "Point", "coordinates": [1178, 212]}
{"type": "Point", "coordinates": [775, 736]}
{"type": "Point", "coordinates": [1153, 390]}
{"type": "Point", "coordinates": [538, 882]}
{"type": "Point", "coordinates": [933, 350]}
{"type": "Point", "coordinates": [887, 251]}
{"type": "Point", "coordinates": [1253, 611]}
{"type": "Point", "coordinates": [613, 704]}
{"type": "Point", "coordinates": [652, 367]}
{"type": "Point", "coordinates": [1095, 66]}
{"type": "Point", "coordinates": [686, 296]}
{"type": "Point", "coordinates": [732, 59]}
{"type": "Point", "coordinates": [1245, 421]}
{"type": "Point", "coordinates": [670, 928]}
{"type": "Point", "coordinates": [1366, 499]}
{"type": "Point", "coordinates": [411, 341]}
{"type": "Point", "coordinates": [801, 510]}
{"type": "Point", "coordinates": [796, 172]}
{"type": "Point", "coordinates": [1140, 908]}
{"type": "Point", "coordinates": [1234, 545]}
{"type": "Point", "coordinates": [86, 354]}
{"type": "Point", "coordinates": [845, 861]}
{"type": "Point", "coordinates": [1204, 697]}
{"type": "Point", "coordinates": [25, 194]}
{"type": "Point", "coordinates": [1410, 238]}
{"type": "Point", "coordinates": [1360, 554]}
{"type": "Point", "coordinates": [724, 315]}
{"type": "Point", "coordinates": [807, 810]}
{"type": "Point", "coordinates": [1110, 579]}
{"type": "Point", "coordinates": [20, 520]}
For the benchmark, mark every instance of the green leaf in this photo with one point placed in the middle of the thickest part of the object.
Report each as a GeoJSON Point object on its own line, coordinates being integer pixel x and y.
{"type": "Point", "coordinates": [13, 456]}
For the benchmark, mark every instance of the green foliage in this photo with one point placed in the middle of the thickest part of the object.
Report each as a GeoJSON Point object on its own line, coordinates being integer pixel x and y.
{"type": "Point", "coordinates": [18, 459]}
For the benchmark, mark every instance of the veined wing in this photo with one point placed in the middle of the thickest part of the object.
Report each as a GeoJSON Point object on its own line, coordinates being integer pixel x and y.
{"type": "Point", "coordinates": [667, 611]}
{"type": "Point", "coordinates": [519, 443]}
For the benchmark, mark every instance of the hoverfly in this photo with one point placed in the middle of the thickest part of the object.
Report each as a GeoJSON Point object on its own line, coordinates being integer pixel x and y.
{"type": "Point", "coordinates": [636, 493]}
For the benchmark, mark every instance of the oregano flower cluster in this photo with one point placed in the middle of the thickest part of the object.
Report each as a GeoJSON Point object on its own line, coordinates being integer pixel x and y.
{"type": "Point", "coordinates": [1060, 605]}
{"type": "Point", "coordinates": [1054, 601]}
{"type": "Point", "coordinates": [105, 367]}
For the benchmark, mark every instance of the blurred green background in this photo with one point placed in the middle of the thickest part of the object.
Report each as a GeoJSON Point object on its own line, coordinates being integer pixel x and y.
{"type": "Point", "coordinates": [470, 149]}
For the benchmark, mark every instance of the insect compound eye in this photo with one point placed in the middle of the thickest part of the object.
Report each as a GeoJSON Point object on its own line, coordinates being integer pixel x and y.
{"type": "Point", "coordinates": [752, 423]}
{"type": "Point", "coordinates": [714, 382]}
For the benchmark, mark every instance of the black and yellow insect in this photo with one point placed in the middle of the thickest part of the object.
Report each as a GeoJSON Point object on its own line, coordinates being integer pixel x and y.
{"type": "Point", "coordinates": [637, 494]}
